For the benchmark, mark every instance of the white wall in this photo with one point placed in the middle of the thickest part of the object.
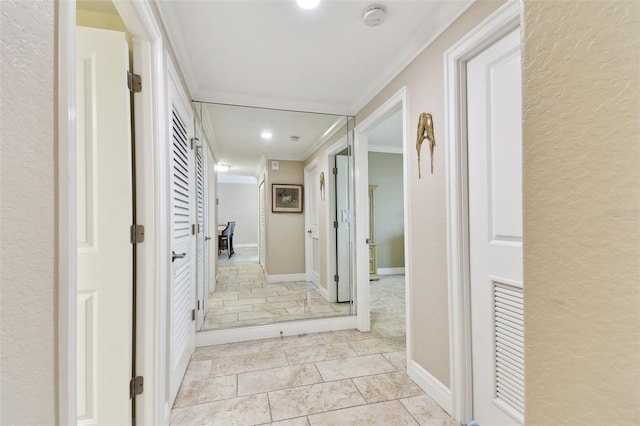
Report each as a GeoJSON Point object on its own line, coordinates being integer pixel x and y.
{"type": "Point", "coordinates": [385, 171]}
{"type": "Point", "coordinates": [239, 202]}
{"type": "Point", "coordinates": [28, 325]}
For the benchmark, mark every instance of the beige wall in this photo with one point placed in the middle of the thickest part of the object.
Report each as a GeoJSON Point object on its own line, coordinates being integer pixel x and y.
{"type": "Point", "coordinates": [581, 79]}
{"type": "Point", "coordinates": [239, 202]}
{"type": "Point", "coordinates": [285, 231]}
{"type": "Point", "coordinates": [424, 79]}
{"type": "Point", "coordinates": [385, 171]}
{"type": "Point", "coordinates": [28, 323]}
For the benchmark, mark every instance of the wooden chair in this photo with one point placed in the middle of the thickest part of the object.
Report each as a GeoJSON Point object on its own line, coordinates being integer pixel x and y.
{"type": "Point", "coordinates": [225, 239]}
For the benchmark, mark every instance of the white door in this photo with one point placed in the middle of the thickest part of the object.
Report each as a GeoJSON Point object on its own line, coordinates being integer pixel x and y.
{"type": "Point", "coordinates": [343, 231]}
{"type": "Point", "coordinates": [262, 225]}
{"type": "Point", "coordinates": [105, 253]}
{"type": "Point", "coordinates": [200, 237]}
{"type": "Point", "coordinates": [495, 231]}
{"type": "Point", "coordinates": [182, 294]}
{"type": "Point", "coordinates": [312, 220]}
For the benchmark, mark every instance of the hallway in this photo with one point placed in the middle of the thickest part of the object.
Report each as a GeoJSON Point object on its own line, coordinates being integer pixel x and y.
{"type": "Point", "coordinates": [334, 378]}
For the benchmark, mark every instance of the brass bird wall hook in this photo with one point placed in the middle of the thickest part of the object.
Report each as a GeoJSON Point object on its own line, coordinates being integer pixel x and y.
{"type": "Point", "coordinates": [425, 131]}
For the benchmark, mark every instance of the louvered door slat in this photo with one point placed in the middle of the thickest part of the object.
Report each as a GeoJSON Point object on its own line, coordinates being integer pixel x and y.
{"type": "Point", "coordinates": [509, 347]}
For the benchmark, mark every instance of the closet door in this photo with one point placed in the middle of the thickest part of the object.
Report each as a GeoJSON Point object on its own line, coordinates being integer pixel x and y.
{"type": "Point", "coordinates": [183, 262]}
{"type": "Point", "coordinates": [263, 225]}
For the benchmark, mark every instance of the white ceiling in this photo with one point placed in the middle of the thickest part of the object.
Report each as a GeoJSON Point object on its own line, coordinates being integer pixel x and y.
{"type": "Point", "coordinates": [271, 53]}
{"type": "Point", "coordinates": [387, 136]}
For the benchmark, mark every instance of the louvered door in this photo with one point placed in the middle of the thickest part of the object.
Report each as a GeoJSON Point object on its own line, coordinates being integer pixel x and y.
{"type": "Point", "coordinates": [182, 300]}
{"type": "Point", "coordinates": [495, 232]}
{"type": "Point", "coordinates": [200, 242]}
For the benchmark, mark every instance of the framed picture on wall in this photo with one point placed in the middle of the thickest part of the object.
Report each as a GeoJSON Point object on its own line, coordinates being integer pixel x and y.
{"type": "Point", "coordinates": [286, 198]}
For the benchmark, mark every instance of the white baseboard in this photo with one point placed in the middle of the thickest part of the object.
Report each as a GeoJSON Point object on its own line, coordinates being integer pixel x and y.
{"type": "Point", "coordinates": [246, 245]}
{"type": "Point", "coordinates": [289, 328]}
{"type": "Point", "coordinates": [286, 278]}
{"type": "Point", "coordinates": [432, 386]}
{"type": "Point", "coordinates": [323, 291]}
{"type": "Point", "coordinates": [391, 271]}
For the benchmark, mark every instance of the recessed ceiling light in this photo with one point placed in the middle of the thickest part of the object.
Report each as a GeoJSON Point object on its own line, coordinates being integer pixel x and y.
{"type": "Point", "coordinates": [221, 167]}
{"type": "Point", "coordinates": [308, 4]}
{"type": "Point", "coordinates": [266, 135]}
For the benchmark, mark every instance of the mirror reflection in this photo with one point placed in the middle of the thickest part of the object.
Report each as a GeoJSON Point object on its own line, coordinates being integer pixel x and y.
{"type": "Point", "coordinates": [273, 216]}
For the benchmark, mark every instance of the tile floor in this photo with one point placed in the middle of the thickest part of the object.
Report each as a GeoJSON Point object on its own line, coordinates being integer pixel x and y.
{"type": "Point", "coordinates": [244, 297]}
{"type": "Point", "coordinates": [335, 378]}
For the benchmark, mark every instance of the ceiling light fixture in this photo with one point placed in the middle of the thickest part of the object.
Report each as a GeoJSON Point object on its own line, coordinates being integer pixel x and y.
{"type": "Point", "coordinates": [222, 167]}
{"type": "Point", "coordinates": [308, 4]}
{"type": "Point", "coordinates": [374, 15]}
{"type": "Point", "coordinates": [266, 135]}
{"type": "Point", "coordinates": [294, 138]}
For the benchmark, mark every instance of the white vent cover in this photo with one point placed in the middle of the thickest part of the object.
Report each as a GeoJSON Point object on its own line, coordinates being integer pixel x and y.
{"type": "Point", "coordinates": [374, 15]}
{"type": "Point", "coordinates": [509, 323]}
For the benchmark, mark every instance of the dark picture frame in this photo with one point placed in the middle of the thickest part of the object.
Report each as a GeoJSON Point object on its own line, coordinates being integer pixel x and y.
{"type": "Point", "coordinates": [286, 198]}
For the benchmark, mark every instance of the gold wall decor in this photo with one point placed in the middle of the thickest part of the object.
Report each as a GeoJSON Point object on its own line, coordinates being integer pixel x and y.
{"type": "Point", "coordinates": [322, 185]}
{"type": "Point", "coordinates": [425, 131]}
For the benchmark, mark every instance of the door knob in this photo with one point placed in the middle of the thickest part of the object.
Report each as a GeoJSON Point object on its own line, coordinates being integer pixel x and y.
{"type": "Point", "coordinates": [175, 256]}
{"type": "Point", "coordinates": [309, 232]}
{"type": "Point", "coordinates": [207, 238]}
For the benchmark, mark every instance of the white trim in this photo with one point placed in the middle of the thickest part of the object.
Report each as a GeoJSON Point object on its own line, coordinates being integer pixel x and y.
{"type": "Point", "coordinates": [385, 149]}
{"type": "Point", "coordinates": [500, 23]}
{"type": "Point", "coordinates": [250, 180]}
{"type": "Point", "coordinates": [286, 278]}
{"type": "Point", "coordinates": [289, 328]}
{"type": "Point", "coordinates": [391, 271]}
{"type": "Point", "coordinates": [361, 171]}
{"type": "Point", "coordinates": [67, 249]}
{"type": "Point", "coordinates": [332, 130]}
{"type": "Point", "coordinates": [308, 243]}
{"type": "Point", "coordinates": [432, 386]}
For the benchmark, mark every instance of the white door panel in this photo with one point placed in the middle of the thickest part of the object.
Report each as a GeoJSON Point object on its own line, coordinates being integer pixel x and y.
{"type": "Point", "coordinates": [182, 294]}
{"type": "Point", "coordinates": [312, 219]}
{"type": "Point", "coordinates": [343, 232]}
{"type": "Point", "coordinates": [105, 253]}
{"type": "Point", "coordinates": [200, 234]}
{"type": "Point", "coordinates": [495, 231]}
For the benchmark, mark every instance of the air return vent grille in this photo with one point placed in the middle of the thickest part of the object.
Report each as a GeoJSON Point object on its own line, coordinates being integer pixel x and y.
{"type": "Point", "coordinates": [509, 323]}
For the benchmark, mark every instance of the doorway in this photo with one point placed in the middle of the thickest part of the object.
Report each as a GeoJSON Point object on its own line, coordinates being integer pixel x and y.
{"type": "Point", "coordinates": [484, 221]}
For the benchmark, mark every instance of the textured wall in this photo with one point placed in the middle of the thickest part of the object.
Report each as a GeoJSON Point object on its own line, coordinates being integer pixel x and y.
{"type": "Point", "coordinates": [424, 79]}
{"type": "Point", "coordinates": [581, 78]}
{"type": "Point", "coordinates": [385, 171]}
{"type": "Point", "coordinates": [285, 231]}
{"type": "Point", "coordinates": [27, 308]}
{"type": "Point", "coordinates": [239, 202]}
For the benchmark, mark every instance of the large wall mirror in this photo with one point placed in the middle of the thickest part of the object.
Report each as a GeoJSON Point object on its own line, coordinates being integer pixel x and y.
{"type": "Point", "coordinates": [273, 211]}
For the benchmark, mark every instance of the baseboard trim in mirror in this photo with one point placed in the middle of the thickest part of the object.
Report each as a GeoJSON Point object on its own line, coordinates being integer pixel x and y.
{"type": "Point", "coordinates": [290, 328]}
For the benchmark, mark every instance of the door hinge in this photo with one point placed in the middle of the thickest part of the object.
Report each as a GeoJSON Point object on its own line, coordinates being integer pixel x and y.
{"type": "Point", "coordinates": [193, 315]}
{"type": "Point", "coordinates": [198, 305]}
{"type": "Point", "coordinates": [137, 234]}
{"type": "Point", "coordinates": [198, 228]}
{"type": "Point", "coordinates": [193, 229]}
{"type": "Point", "coordinates": [136, 386]}
{"type": "Point", "coordinates": [134, 82]}
{"type": "Point", "coordinates": [335, 170]}
{"type": "Point", "coordinates": [336, 278]}
{"type": "Point", "coordinates": [194, 142]}
{"type": "Point", "coordinates": [335, 224]}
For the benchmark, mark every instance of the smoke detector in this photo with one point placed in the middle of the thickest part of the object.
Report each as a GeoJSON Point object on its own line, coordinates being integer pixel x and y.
{"type": "Point", "coordinates": [294, 138]}
{"type": "Point", "coordinates": [374, 15]}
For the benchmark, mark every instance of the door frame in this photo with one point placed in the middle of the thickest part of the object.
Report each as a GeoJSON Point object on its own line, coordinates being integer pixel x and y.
{"type": "Point", "coordinates": [496, 26]}
{"type": "Point", "coordinates": [149, 62]}
{"type": "Point", "coordinates": [361, 171]}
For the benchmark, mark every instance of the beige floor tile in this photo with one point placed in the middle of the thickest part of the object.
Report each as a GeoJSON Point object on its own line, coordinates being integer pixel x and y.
{"type": "Point", "coordinates": [377, 346]}
{"type": "Point", "coordinates": [380, 414]}
{"type": "Point", "coordinates": [322, 352]}
{"type": "Point", "coordinates": [354, 367]}
{"type": "Point", "coordinates": [398, 359]}
{"type": "Point", "coordinates": [206, 390]}
{"type": "Point", "coordinates": [299, 421]}
{"type": "Point", "coordinates": [226, 350]}
{"type": "Point", "coordinates": [311, 399]}
{"type": "Point", "coordinates": [247, 301]}
{"type": "Point", "coordinates": [288, 342]}
{"type": "Point", "coordinates": [270, 313]}
{"type": "Point", "coordinates": [278, 378]}
{"type": "Point", "coordinates": [242, 411]}
{"type": "Point", "coordinates": [427, 412]}
{"type": "Point", "coordinates": [197, 370]}
{"type": "Point", "coordinates": [347, 336]}
{"type": "Point", "coordinates": [250, 362]}
{"type": "Point", "coordinates": [385, 387]}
